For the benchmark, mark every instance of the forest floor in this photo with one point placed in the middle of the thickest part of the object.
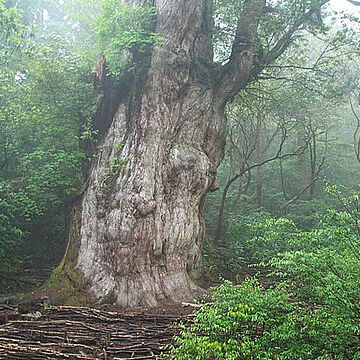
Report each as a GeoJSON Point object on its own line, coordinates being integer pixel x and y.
{"type": "Point", "coordinates": [64, 332]}
{"type": "Point", "coordinates": [31, 273]}
{"type": "Point", "coordinates": [35, 330]}
{"type": "Point", "coordinates": [36, 262]}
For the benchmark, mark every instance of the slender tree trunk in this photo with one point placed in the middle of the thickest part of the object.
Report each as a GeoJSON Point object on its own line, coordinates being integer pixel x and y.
{"type": "Point", "coordinates": [136, 235]}
{"type": "Point", "coordinates": [259, 161]}
{"type": "Point", "coordinates": [313, 155]}
{"type": "Point", "coordinates": [219, 232]}
{"type": "Point", "coordinates": [282, 180]}
{"type": "Point", "coordinates": [238, 194]}
{"type": "Point", "coordinates": [302, 166]}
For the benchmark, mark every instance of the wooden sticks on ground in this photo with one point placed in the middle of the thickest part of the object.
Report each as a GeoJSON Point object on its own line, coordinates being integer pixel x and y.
{"type": "Point", "coordinates": [84, 333]}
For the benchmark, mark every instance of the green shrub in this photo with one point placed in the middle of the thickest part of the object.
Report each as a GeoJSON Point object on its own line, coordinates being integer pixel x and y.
{"type": "Point", "coordinates": [229, 325]}
{"type": "Point", "coordinates": [313, 313]}
{"type": "Point", "coordinates": [242, 228]}
{"type": "Point", "coordinates": [12, 207]}
{"type": "Point", "coordinates": [248, 322]}
{"type": "Point", "coordinates": [255, 238]}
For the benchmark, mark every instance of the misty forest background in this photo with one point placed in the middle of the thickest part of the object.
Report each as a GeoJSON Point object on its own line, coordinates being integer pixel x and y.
{"type": "Point", "coordinates": [284, 224]}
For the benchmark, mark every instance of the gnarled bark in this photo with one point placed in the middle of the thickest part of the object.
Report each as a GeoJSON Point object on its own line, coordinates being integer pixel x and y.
{"type": "Point", "coordinates": [141, 225]}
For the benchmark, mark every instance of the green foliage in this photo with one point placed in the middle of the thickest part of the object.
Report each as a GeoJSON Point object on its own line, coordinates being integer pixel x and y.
{"type": "Point", "coordinates": [249, 322]}
{"type": "Point", "coordinates": [45, 98]}
{"type": "Point", "coordinates": [11, 235]}
{"type": "Point", "coordinates": [241, 232]}
{"type": "Point", "coordinates": [263, 240]}
{"type": "Point", "coordinates": [256, 238]}
{"type": "Point", "coordinates": [328, 262]}
{"type": "Point", "coordinates": [227, 327]}
{"type": "Point", "coordinates": [13, 42]}
{"type": "Point", "coordinates": [312, 313]}
{"type": "Point", "coordinates": [274, 24]}
{"type": "Point", "coordinates": [79, 29]}
{"type": "Point", "coordinates": [42, 123]}
{"type": "Point", "coordinates": [125, 33]}
{"type": "Point", "coordinates": [14, 35]}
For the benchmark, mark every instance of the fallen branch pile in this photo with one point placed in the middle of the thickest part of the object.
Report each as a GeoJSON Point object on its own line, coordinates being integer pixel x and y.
{"type": "Point", "coordinates": [84, 333]}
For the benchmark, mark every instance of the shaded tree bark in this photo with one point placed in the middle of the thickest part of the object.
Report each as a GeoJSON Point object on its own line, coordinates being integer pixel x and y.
{"type": "Point", "coordinates": [312, 154]}
{"type": "Point", "coordinates": [282, 179]}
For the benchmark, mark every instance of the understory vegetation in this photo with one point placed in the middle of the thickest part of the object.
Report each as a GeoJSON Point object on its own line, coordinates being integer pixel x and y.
{"type": "Point", "coordinates": [308, 310]}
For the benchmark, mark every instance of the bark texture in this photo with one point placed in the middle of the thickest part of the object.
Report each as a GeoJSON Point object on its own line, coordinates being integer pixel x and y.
{"type": "Point", "coordinates": [140, 221]}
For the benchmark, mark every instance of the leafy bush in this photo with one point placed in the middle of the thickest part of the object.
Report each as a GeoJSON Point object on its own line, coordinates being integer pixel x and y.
{"type": "Point", "coordinates": [313, 313]}
{"type": "Point", "coordinates": [248, 322]}
{"type": "Point", "coordinates": [255, 238]}
{"type": "Point", "coordinates": [11, 234]}
{"type": "Point", "coordinates": [243, 228]}
{"type": "Point", "coordinates": [327, 267]}
{"type": "Point", "coordinates": [228, 326]}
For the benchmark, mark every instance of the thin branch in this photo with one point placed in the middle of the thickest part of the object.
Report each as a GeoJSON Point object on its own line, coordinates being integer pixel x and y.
{"type": "Point", "coordinates": [285, 41]}
{"type": "Point", "coordinates": [298, 151]}
{"type": "Point", "coordinates": [313, 180]}
{"type": "Point", "coordinates": [310, 68]}
{"type": "Point", "coordinates": [354, 2]}
{"type": "Point", "coordinates": [356, 133]}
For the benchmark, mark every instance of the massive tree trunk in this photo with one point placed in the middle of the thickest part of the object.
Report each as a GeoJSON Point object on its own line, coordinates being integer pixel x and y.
{"type": "Point", "coordinates": [137, 232]}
